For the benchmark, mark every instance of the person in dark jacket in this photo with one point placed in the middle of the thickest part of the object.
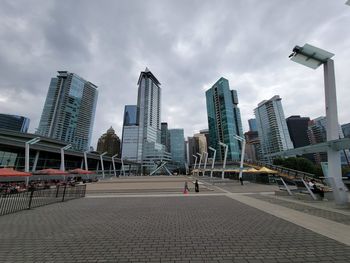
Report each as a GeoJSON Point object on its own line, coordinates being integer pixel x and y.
{"type": "Point", "coordinates": [196, 186]}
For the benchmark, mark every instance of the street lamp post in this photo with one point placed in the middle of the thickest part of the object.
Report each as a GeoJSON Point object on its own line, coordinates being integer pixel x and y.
{"type": "Point", "coordinates": [195, 163]}
{"type": "Point", "coordinates": [241, 139]}
{"type": "Point", "coordinates": [213, 162]}
{"type": "Point", "coordinates": [62, 166]}
{"type": "Point", "coordinates": [115, 174]}
{"type": "Point", "coordinates": [205, 162]}
{"type": "Point", "coordinates": [26, 155]}
{"type": "Point", "coordinates": [313, 57]}
{"type": "Point", "coordinates": [102, 165]}
{"type": "Point", "coordinates": [224, 164]}
{"type": "Point", "coordinates": [85, 161]}
{"type": "Point", "coordinates": [123, 167]}
{"type": "Point", "coordinates": [200, 161]}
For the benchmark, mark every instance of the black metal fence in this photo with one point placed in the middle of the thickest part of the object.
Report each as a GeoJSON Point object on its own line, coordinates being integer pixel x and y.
{"type": "Point", "coordinates": [11, 203]}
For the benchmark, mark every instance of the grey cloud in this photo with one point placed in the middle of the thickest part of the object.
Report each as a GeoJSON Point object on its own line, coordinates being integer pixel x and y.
{"type": "Point", "coordinates": [188, 45]}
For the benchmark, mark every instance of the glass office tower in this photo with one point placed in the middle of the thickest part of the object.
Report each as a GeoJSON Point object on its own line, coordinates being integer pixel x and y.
{"type": "Point", "coordinates": [149, 148]}
{"type": "Point", "coordinates": [130, 133]}
{"type": "Point", "coordinates": [14, 123]}
{"type": "Point", "coordinates": [224, 119]}
{"type": "Point", "coordinates": [177, 146]}
{"type": "Point", "coordinates": [69, 110]}
{"type": "Point", "coordinates": [272, 127]}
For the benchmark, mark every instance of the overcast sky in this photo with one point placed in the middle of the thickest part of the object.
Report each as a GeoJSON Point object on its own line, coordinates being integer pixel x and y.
{"type": "Point", "coordinates": [188, 45]}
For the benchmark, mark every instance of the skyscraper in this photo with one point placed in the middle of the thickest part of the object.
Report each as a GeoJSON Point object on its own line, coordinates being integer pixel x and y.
{"type": "Point", "coordinates": [346, 130]}
{"type": "Point", "coordinates": [272, 127]}
{"type": "Point", "coordinates": [149, 149]}
{"type": "Point", "coordinates": [14, 122]}
{"type": "Point", "coordinates": [297, 127]}
{"type": "Point", "coordinates": [252, 125]}
{"type": "Point", "coordinates": [317, 133]}
{"type": "Point", "coordinates": [177, 146]}
{"type": "Point", "coordinates": [109, 142]}
{"type": "Point", "coordinates": [130, 133]}
{"type": "Point", "coordinates": [69, 110]}
{"type": "Point", "coordinates": [224, 119]}
{"type": "Point", "coordinates": [165, 137]}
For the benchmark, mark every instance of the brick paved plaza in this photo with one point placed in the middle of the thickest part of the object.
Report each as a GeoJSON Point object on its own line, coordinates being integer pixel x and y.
{"type": "Point", "coordinates": [160, 229]}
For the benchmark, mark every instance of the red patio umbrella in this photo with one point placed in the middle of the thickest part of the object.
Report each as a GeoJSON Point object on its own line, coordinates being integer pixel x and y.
{"type": "Point", "coordinates": [80, 171]}
{"type": "Point", "coordinates": [51, 171]}
{"type": "Point", "coordinates": [8, 172]}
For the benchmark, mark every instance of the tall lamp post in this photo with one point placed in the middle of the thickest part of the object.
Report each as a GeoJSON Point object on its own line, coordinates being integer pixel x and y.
{"type": "Point", "coordinates": [213, 162]}
{"type": "Point", "coordinates": [26, 155]}
{"type": "Point", "coordinates": [195, 163]}
{"type": "Point", "coordinates": [241, 139]}
{"type": "Point", "coordinates": [115, 173]}
{"type": "Point", "coordinates": [313, 57]}
{"type": "Point", "coordinates": [205, 162]}
{"type": "Point", "coordinates": [86, 160]}
{"type": "Point", "coordinates": [200, 161]}
{"type": "Point", "coordinates": [102, 165]}
{"type": "Point", "coordinates": [62, 166]}
{"type": "Point", "coordinates": [224, 164]}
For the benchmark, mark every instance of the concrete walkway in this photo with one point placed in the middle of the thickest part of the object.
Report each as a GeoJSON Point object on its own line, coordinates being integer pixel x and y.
{"type": "Point", "coordinates": [220, 224]}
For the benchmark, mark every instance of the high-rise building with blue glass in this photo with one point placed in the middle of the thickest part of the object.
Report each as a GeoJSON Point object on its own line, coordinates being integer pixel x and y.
{"type": "Point", "coordinates": [272, 127]}
{"type": "Point", "coordinates": [150, 150]}
{"type": "Point", "coordinates": [14, 122]}
{"type": "Point", "coordinates": [252, 125]}
{"type": "Point", "coordinates": [130, 133]}
{"type": "Point", "coordinates": [224, 119]}
{"type": "Point", "coordinates": [177, 146]}
{"type": "Point", "coordinates": [69, 110]}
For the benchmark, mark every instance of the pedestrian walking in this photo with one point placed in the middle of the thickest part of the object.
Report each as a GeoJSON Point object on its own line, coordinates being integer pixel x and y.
{"type": "Point", "coordinates": [241, 180]}
{"type": "Point", "coordinates": [196, 186]}
{"type": "Point", "coordinates": [186, 189]}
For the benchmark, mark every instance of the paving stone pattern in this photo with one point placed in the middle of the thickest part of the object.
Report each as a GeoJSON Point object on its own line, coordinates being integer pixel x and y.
{"type": "Point", "coordinates": [159, 229]}
{"type": "Point", "coordinates": [334, 216]}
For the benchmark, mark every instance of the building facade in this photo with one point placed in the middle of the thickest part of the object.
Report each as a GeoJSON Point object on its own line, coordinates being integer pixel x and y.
{"type": "Point", "coordinates": [165, 136]}
{"type": "Point", "coordinates": [109, 142]}
{"type": "Point", "coordinates": [69, 110]}
{"type": "Point", "coordinates": [130, 133]}
{"type": "Point", "coordinates": [272, 127]}
{"type": "Point", "coordinates": [317, 133]}
{"type": "Point", "coordinates": [14, 122]}
{"type": "Point", "coordinates": [224, 120]}
{"type": "Point", "coordinates": [297, 127]}
{"type": "Point", "coordinates": [346, 130]}
{"type": "Point", "coordinates": [252, 125]}
{"type": "Point", "coordinates": [150, 150]}
{"type": "Point", "coordinates": [177, 146]}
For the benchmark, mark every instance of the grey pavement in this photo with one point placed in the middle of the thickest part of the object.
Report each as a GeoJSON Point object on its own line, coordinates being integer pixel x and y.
{"type": "Point", "coordinates": [185, 228]}
{"type": "Point", "coordinates": [148, 219]}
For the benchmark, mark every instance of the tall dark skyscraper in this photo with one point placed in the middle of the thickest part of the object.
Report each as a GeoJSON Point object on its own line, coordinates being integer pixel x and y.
{"type": "Point", "coordinates": [177, 142]}
{"type": "Point", "coordinates": [69, 110]}
{"type": "Point", "coordinates": [165, 136]}
{"type": "Point", "coordinates": [224, 119]}
{"type": "Point", "coordinates": [14, 122]}
{"type": "Point", "coordinates": [297, 127]}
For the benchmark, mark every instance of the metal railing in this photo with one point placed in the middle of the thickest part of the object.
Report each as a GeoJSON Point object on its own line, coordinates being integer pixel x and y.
{"type": "Point", "coordinates": [14, 202]}
{"type": "Point", "coordinates": [282, 170]}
